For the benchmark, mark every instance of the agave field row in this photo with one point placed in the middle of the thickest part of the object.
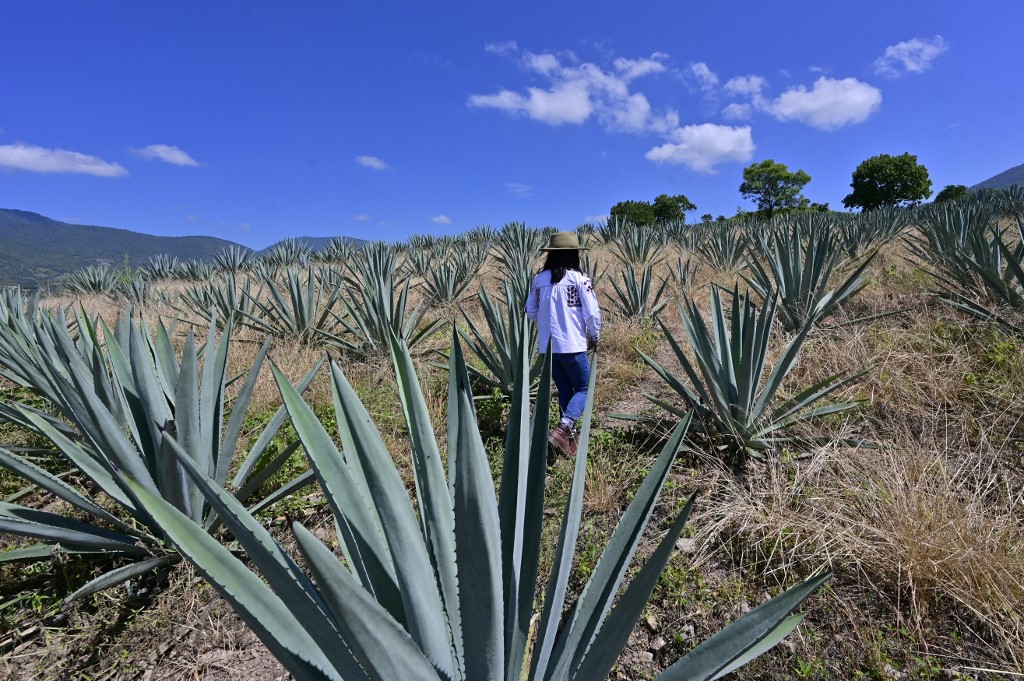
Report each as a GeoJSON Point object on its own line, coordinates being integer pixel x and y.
{"type": "Point", "coordinates": [137, 426]}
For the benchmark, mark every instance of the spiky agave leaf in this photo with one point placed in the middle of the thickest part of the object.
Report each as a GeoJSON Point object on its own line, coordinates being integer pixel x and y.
{"type": "Point", "coordinates": [115, 406]}
{"type": "Point", "coordinates": [446, 593]}
{"type": "Point", "coordinates": [727, 384]}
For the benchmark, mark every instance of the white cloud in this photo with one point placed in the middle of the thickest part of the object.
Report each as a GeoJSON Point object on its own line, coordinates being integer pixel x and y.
{"type": "Point", "coordinates": [167, 154]}
{"type": "Point", "coordinates": [245, 226]}
{"type": "Point", "coordinates": [911, 56]}
{"type": "Point", "coordinates": [634, 68]}
{"type": "Point", "coordinates": [441, 219]}
{"type": "Point", "coordinates": [372, 162]}
{"type": "Point", "coordinates": [507, 47]}
{"type": "Point", "coordinates": [541, 63]}
{"type": "Point", "coordinates": [42, 160]}
{"type": "Point", "coordinates": [565, 103]}
{"type": "Point", "coordinates": [361, 217]}
{"type": "Point", "coordinates": [704, 75]}
{"type": "Point", "coordinates": [737, 112]}
{"type": "Point", "coordinates": [830, 104]}
{"type": "Point", "coordinates": [597, 218]}
{"type": "Point", "coordinates": [575, 91]}
{"type": "Point", "coordinates": [519, 189]}
{"type": "Point", "coordinates": [702, 147]}
{"type": "Point", "coordinates": [745, 85]}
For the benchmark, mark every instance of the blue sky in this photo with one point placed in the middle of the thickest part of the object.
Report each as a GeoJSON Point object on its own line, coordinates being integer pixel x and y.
{"type": "Point", "coordinates": [256, 120]}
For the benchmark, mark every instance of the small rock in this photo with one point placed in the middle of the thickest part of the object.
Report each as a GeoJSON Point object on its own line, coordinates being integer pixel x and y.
{"type": "Point", "coordinates": [320, 533]}
{"type": "Point", "coordinates": [687, 632]}
{"type": "Point", "coordinates": [658, 643]}
{"type": "Point", "coordinates": [652, 622]}
{"type": "Point", "coordinates": [647, 656]}
{"type": "Point", "coordinates": [890, 672]}
{"type": "Point", "coordinates": [687, 546]}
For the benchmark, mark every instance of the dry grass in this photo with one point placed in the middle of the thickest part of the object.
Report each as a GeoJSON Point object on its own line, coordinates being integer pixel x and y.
{"type": "Point", "coordinates": [924, 531]}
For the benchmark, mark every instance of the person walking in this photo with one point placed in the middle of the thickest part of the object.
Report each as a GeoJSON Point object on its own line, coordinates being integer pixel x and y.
{"type": "Point", "coordinates": [563, 304]}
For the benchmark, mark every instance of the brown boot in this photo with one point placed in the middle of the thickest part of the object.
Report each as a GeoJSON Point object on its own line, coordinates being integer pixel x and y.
{"type": "Point", "coordinates": [564, 439]}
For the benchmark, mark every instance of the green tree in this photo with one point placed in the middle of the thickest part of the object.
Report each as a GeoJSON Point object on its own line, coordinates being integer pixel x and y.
{"type": "Point", "coordinates": [665, 208]}
{"type": "Point", "coordinates": [707, 217]}
{"type": "Point", "coordinates": [886, 180]}
{"type": "Point", "coordinates": [637, 212]}
{"type": "Point", "coordinates": [772, 186]}
{"type": "Point", "coordinates": [672, 208]}
{"type": "Point", "coordinates": [952, 192]}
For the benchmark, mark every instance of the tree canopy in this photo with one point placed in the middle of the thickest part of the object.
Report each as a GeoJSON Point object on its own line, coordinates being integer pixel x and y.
{"type": "Point", "coordinates": [886, 180]}
{"type": "Point", "coordinates": [772, 186]}
{"type": "Point", "coordinates": [663, 209]}
{"type": "Point", "coordinates": [952, 192]}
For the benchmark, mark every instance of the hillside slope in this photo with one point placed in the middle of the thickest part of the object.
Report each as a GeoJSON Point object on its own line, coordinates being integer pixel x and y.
{"type": "Point", "coordinates": [1006, 178]}
{"type": "Point", "coordinates": [38, 250]}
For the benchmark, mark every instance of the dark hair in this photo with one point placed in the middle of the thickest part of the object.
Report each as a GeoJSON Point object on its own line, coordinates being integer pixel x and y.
{"type": "Point", "coordinates": [560, 261]}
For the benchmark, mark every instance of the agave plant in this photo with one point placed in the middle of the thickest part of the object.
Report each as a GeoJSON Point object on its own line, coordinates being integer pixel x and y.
{"type": "Point", "coordinates": [197, 270]}
{"type": "Point", "coordinates": [162, 267]}
{"type": "Point", "coordinates": [795, 265]}
{"type": "Point", "coordinates": [638, 246]}
{"type": "Point", "coordinates": [638, 299]}
{"type": "Point", "coordinates": [445, 590]}
{"type": "Point", "coordinates": [684, 273]}
{"type": "Point", "coordinates": [861, 233]}
{"type": "Point", "coordinates": [338, 250]}
{"type": "Point", "coordinates": [1002, 277]}
{"type": "Point", "coordinates": [93, 279]}
{"type": "Point", "coordinates": [374, 311]}
{"type": "Point", "coordinates": [500, 353]}
{"type": "Point", "coordinates": [592, 267]}
{"type": "Point", "coordinates": [112, 410]}
{"type": "Point", "coordinates": [448, 282]}
{"type": "Point", "coordinates": [225, 300]}
{"type": "Point", "coordinates": [722, 245]}
{"type": "Point", "coordinates": [233, 259]}
{"type": "Point", "coordinates": [288, 252]}
{"type": "Point", "coordinates": [726, 380]}
{"type": "Point", "coordinates": [958, 241]}
{"type": "Point", "coordinates": [302, 311]}
{"type": "Point", "coordinates": [483, 235]}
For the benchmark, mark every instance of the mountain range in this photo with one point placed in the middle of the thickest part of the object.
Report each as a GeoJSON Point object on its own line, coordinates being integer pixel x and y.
{"type": "Point", "coordinates": [36, 251]}
{"type": "Point", "coordinates": [1006, 178]}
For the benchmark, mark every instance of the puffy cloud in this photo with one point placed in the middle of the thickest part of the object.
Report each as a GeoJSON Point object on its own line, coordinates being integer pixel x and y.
{"type": "Point", "coordinates": [706, 78]}
{"type": "Point", "coordinates": [576, 90]}
{"type": "Point", "coordinates": [565, 103]}
{"type": "Point", "coordinates": [702, 147]}
{"type": "Point", "coordinates": [167, 154]}
{"type": "Point", "coordinates": [541, 63]}
{"type": "Point", "coordinates": [911, 56]}
{"type": "Point", "coordinates": [830, 104]}
{"type": "Point", "coordinates": [441, 219]}
{"type": "Point", "coordinates": [737, 112]}
{"type": "Point", "coordinates": [43, 160]}
{"type": "Point", "coordinates": [745, 85]}
{"type": "Point", "coordinates": [519, 189]}
{"type": "Point", "coordinates": [372, 162]}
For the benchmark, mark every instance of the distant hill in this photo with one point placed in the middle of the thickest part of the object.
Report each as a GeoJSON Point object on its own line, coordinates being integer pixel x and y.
{"type": "Point", "coordinates": [37, 250]}
{"type": "Point", "coordinates": [1006, 178]}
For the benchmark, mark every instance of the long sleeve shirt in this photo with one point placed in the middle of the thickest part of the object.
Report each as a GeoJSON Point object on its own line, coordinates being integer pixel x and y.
{"type": "Point", "coordinates": [566, 313]}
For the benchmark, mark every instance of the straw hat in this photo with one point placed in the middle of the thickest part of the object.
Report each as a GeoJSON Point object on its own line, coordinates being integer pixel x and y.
{"type": "Point", "coordinates": [564, 241]}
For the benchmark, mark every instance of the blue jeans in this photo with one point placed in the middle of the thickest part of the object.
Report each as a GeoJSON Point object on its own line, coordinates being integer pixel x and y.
{"type": "Point", "coordinates": [571, 371]}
